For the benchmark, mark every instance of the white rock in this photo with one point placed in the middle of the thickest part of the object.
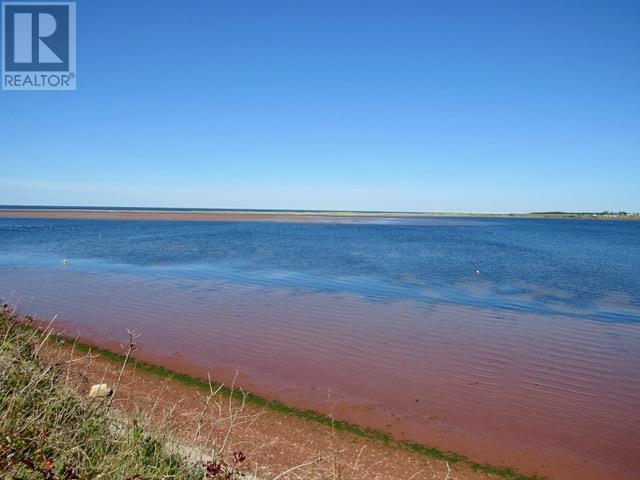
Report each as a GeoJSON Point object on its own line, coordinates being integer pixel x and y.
{"type": "Point", "coordinates": [100, 390]}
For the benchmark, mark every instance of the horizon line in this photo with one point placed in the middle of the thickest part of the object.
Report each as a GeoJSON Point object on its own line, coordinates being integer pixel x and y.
{"type": "Point", "coordinates": [296, 210]}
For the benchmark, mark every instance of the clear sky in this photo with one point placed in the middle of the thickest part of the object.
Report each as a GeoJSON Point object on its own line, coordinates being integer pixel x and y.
{"type": "Point", "coordinates": [478, 106]}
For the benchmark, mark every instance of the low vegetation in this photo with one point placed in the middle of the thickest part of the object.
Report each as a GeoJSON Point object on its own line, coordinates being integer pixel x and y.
{"type": "Point", "coordinates": [49, 431]}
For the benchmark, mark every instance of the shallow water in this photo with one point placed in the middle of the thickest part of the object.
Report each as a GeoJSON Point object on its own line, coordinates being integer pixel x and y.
{"type": "Point", "coordinates": [534, 361]}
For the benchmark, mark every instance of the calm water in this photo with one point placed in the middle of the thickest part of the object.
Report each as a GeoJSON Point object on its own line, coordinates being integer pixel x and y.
{"type": "Point", "coordinates": [385, 321]}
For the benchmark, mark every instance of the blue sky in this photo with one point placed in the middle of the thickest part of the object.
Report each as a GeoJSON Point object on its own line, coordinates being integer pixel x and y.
{"type": "Point", "coordinates": [479, 106]}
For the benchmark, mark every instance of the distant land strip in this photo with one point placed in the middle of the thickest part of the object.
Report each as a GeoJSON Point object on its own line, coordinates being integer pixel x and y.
{"type": "Point", "coordinates": [137, 213]}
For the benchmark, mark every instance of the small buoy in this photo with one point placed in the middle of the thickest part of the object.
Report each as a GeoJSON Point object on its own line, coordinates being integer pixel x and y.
{"type": "Point", "coordinates": [65, 261]}
{"type": "Point", "coordinates": [477, 271]}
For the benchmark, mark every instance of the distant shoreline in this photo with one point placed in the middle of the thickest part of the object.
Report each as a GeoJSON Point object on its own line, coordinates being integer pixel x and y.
{"type": "Point", "coordinates": [90, 213]}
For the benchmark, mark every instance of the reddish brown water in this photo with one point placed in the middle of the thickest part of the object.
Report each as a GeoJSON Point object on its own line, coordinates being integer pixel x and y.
{"type": "Point", "coordinates": [548, 394]}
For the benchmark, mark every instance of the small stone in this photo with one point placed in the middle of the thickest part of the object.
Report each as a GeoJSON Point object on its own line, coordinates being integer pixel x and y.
{"type": "Point", "coordinates": [100, 390]}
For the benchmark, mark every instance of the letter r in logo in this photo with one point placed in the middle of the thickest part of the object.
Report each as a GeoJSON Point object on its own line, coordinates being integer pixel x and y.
{"type": "Point", "coordinates": [36, 37]}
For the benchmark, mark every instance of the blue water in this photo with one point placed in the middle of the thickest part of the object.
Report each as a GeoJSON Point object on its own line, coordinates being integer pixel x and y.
{"type": "Point", "coordinates": [550, 266]}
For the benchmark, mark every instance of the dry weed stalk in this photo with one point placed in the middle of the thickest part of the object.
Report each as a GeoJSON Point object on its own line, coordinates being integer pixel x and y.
{"type": "Point", "coordinates": [133, 336]}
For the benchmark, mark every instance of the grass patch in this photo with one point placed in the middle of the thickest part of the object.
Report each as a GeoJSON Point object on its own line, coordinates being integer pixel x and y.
{"type": "Point", "coordinates": [50, 431]}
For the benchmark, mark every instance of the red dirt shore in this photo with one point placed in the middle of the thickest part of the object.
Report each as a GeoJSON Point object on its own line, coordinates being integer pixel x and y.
{"type": "Point", "coordinates": [167, 215]}
{"type": "Point", "coordinates": [273, 442]}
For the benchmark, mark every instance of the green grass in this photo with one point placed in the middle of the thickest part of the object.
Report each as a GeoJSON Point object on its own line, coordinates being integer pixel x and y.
{"type": "Point", "coordinates": [50, 430]}
{"type": "Point", "coordinates": [47, 430]}
{"type": "Point", "coordinates": [314, 416]}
